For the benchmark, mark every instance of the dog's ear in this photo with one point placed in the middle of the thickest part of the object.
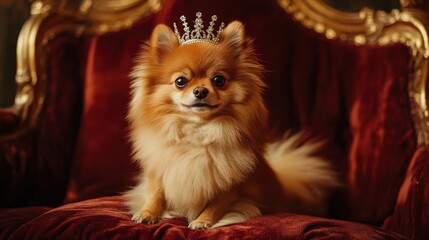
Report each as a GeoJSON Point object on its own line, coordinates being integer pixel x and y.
{"type": "Point", "coordinates": [233, 37]}
{"type": "Point", "coordinates": [162, 41]}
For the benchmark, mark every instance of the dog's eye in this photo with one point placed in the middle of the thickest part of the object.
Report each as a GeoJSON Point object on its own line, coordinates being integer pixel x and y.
{"type": "Point", "coordinates": [181, 82]}
{"type": "Point", "coordinates": [218, 81]}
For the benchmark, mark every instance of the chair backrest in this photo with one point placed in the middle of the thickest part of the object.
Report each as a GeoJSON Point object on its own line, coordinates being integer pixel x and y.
{"type": "Point", "coordinates": [357, 80]}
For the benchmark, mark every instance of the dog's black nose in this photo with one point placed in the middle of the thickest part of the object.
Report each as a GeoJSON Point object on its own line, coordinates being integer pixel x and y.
{"type": "Point", "coordinates": [201, 92]}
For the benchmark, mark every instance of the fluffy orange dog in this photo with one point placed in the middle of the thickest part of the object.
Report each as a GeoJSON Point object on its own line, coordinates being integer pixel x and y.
{"type": "Point", "coordinates": [197, 121]}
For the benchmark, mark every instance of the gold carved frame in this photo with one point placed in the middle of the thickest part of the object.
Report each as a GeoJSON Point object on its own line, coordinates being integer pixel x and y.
{"type": "Point", "coordinates": [50, 18]}
{"type": "Point", "coordinates": [408, 26]}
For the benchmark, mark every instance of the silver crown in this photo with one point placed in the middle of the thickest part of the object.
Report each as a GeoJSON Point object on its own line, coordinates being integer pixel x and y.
{"type": "Point", "coordinates": [198, 34]}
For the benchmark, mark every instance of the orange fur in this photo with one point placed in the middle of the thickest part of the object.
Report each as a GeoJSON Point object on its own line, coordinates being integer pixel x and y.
{"type": "Point", "coordinates": [204, 159]}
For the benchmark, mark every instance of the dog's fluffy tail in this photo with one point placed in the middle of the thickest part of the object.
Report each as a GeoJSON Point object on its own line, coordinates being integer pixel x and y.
{"type": "Point", "coordinates": [306, 177]}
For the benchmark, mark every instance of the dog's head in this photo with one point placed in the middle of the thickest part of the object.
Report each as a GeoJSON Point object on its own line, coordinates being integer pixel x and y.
{"type": "Point", "coordinates": [200, 78]}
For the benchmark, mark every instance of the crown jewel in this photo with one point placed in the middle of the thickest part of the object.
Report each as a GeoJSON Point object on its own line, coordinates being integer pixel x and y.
{"type": "Point", "coordinates": [198, 34]}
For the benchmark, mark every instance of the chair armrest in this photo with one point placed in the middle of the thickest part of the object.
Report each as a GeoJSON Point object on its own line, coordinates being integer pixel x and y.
{"type": "Point", "coordinates": [8, 120]}
{"type": "Point", "coordinates": [16, 159]}
{"type": "Point", "coordinates": [411, 213]}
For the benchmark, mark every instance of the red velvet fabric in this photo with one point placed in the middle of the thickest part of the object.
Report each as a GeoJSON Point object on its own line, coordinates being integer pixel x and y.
{"type": "Point", "coordinates": [12, 219]}
{"type": "Point", "coordinates": [35, 167]}
{"type": "Point", "coordinates": [107, 218]}
{"type": "Point", "coordinates": [58, 131]}
{"type": "Point", "coordinates": [411, 215]}
{"type": "Point", "coordinates": [382, 134]}
{"type": "Point", "coordinates": [102, 163]}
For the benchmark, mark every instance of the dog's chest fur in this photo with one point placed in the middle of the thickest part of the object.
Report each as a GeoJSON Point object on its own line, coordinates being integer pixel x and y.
{"type": "Point", "coordinates": [198, 161]}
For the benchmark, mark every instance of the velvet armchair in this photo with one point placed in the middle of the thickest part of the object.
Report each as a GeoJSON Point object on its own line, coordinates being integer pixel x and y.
{"type": "Point", "coordinates": [355, 80]}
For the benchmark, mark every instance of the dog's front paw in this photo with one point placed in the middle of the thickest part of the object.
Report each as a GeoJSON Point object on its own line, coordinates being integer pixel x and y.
{"type": "Point", "coordinates": [144, 216]}
{"type": "Point", "coordinates": [200, 224]}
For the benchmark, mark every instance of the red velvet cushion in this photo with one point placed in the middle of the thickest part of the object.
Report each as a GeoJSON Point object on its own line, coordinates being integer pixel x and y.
{"type": "Point", "coordinates": [107, 218]}
{"type": "Point", "coordinates": [13, 218]}
{"type": "Point", "coordinates": [354, 97]}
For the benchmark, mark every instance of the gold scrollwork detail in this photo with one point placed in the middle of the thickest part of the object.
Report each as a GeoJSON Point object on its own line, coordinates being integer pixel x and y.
{"type": "Point", "coordinates": [411, 3]}
{"type": "Point", "coordinates": [365, 27]}
{"type": "Point", "coordinates": [50, 18]}
{"type": "Point", "coordinates": [98, 13]}
{"type": "Point", "coordinates": [406, 26]}
{"type": "Point", "coordinates": [40, 7]}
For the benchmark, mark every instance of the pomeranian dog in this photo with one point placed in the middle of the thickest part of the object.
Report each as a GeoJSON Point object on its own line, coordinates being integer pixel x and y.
{"type": "Point", "coordinates": [197, 125]}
